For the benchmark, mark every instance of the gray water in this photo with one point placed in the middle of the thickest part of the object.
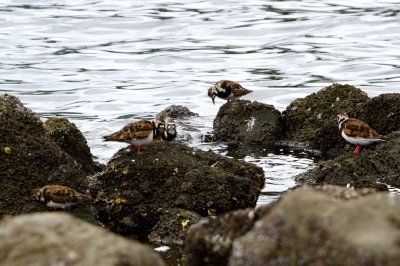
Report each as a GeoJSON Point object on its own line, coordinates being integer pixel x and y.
{"type": "Point", "coordinates": [103, 64]}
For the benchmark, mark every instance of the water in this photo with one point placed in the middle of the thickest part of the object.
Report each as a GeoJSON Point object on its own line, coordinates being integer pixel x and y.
{"type": "Point", "coordinates": [103, 64]}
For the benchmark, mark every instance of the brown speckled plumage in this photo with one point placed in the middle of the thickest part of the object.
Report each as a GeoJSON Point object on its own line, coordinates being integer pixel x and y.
{"type": "Point", "coordinates": [58, 196]}
{"type": "Point", "coordinates": [357, 132]}
{"type": "Point", "coordinates": [132, 132]}
{"type": "Point", "coordinates": [227, 89]}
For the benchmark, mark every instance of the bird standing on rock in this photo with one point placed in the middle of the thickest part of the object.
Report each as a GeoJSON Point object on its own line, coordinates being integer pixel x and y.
{"type": "Point", "coordinates": [144, 132]}
{"type": "Point", "coordinates": [357, 132]}
{"type": "Point", "coordinates": [227, 90]}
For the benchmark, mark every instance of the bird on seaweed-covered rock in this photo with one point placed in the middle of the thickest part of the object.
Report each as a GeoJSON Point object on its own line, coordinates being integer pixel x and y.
{"type": "Point", "coordinates": [357, 132]}
{"type": "Point", "coordinates": [227, 90]}
{"type": "Point", "coordinates": [56, 196]}
{"type": "Point", "coordinates": [168, 131]}
{"type": "Point", "coordinates": [138, 133]}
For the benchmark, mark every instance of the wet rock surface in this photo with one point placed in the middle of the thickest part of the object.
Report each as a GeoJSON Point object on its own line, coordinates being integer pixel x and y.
{"type": "Point", "coordinates": [246, 122]}
{"type": "Point", "coordinates": [381, 113]}
{"type": "Point", "coordinates": [307, 227]}
{"type": "Point", "coordinates": [30, 159]}
{"type": "Point", "coordinates": [172, 226]}
{"type": "Point", "coordinates": [134, 189]}
{"type": "Point", "coordinates": [321, 225]}
{"type": "Point", "coordinates": [177, 111]}
{"type": "Point", "coordinates": [71, 140]}
{"type": "Point", "coordinates": [60, 239]}
{"type": "Point", "coordinates": [312, 120]}
{"type": "Point", "coordinates": [209, 242]}
{"type": "Point", "coordinates": [375, 163]}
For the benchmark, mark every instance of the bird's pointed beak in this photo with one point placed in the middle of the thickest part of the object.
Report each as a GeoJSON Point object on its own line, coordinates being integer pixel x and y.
{"type": "Point", "coordinates": [213, 100]}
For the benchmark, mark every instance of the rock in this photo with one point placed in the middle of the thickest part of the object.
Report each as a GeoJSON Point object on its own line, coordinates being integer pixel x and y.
{"type": "Point", "coordinates": [60, 239]}
{"type": "Point", "coordinates": [134, 189]}
{"type": "Point", "coordinates": [307, 227]}
{"type": "Point", "coordinates": [246, 122]}
{"type": "Point", "coordinates": [312, 120]}
{"type": "Point", "coordinates": [209, 241]}
{"type": "Point", "coordinates": [176, 111]}
{"type": "Point", "coordinates": [30, 159]}
{"type": "Point", "coordinates": [382, 113]}
{"type": "Point", "coordinates": [71, 140]}
{"type": "Point", "coordinates": [172, 226]}
{"type": "Point", "coordinates": [376, 163]}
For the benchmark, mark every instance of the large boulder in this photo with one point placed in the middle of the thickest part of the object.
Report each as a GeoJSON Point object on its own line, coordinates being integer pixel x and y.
{"type": "Point", "coordinates": [246, 122]}
{"type": "Point", "coordinates": [376, 163]}
{"type": "Point", "coordinates": [134, 189]}
{"type": "Point", "coordinates": [312, 120]}
{"type": "Point", "coordinates": [60, 239]}
{"type": "Point", "coordinates": [308, 227]}
{"type": "Point", "coordinates": [321, 225]}
{"type": "Point", "coordinates": [30, 159]}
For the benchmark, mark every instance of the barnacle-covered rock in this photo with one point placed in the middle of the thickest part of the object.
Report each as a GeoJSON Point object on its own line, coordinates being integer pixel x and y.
{"type": "Point", "coordinates": [30, 159]}
{"type": "Point", "coordinates": [71, 140]}
{"type": "Point", "coordinates": [312, 120]}
{"type": "Point", "coordinates": [134, 189]}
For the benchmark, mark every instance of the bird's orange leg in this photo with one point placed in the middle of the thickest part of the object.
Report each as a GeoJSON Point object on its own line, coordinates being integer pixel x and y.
{"type": "Point", "coordinates": [357, 149]}
{"type": "Point", "coordinates": [139, 149]}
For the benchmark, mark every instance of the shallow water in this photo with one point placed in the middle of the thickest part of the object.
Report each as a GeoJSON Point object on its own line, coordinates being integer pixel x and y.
{"type": "Point", "coordinates": [103, 64]}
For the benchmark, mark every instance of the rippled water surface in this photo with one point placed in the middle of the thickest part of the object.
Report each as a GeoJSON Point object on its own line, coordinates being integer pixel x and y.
{"type": "Point", "coordinates": [103, 64]}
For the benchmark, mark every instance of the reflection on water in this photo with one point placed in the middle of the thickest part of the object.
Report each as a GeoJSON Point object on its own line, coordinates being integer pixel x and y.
{"type": "Point", "coordinates": [103, 64]}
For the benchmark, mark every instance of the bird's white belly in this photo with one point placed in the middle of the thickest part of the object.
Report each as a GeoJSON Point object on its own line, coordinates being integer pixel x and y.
{"type": "Point", "coordinates": [145, 141]}
{"type": "Point", "coordinates": [52, 204]}
{"type": "Point", "coordinates": [361, 141]}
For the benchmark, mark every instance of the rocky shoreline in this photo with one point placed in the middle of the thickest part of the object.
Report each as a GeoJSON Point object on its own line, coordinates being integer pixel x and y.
{"type": "Point", "coordinates": [173, 194]}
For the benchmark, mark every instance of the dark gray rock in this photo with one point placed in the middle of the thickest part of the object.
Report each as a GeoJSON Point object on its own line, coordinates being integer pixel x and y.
{"type": "Point", "coordinates": [308, 227]}
{"type": "Point", "coordinates": [218, 240]}
{"type": "Point", "coordinates": [60, 239]}
{"type": "Point", "coordinates": [312, 120]}
{"type": "Point", "coordinates": [246, 122]}
{"type": "Point", "coordinates": [134, 189]}
{"type": "Point", "coordinates": [176, 111]}
{"type": "Point", "coordinates": [209, 242]}
{"type": "Point", "coordinates": [381, 113]}
{"type": "Point", "coordinates": [30, 159]}
{"type": "Point", "coordinates": [376, 163]}
{"type": "Point", "coordinates": [71, 140]}
{"type": "Point", "coordinates": [172, 226]}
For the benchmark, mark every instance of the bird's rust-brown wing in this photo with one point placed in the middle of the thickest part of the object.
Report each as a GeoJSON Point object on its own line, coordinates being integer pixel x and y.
{"type": "Point", "coordinates": [62, 194]}
{"type": "Point", "coordinates": [359, 129]}
{"type": "Point", "coordinates": [235, 88]}
{"type": "Point", "coordinates": [136, 130]}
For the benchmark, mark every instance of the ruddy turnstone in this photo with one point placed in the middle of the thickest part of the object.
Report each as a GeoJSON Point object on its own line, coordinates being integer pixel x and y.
{"type": "Point", "coordinates": [56, 196]}
{"type": "Point", "coordinates": [357, 132]}
{"type": "Point", "coordinates": [227, 90]}
{"type": "Point", "coordinates": [168, 131]}
{"type": "Point", "coordinates": [137, 133]}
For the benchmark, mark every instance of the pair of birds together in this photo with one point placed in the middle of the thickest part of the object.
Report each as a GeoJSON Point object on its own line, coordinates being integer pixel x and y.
{"type": "Point", "coordinates": [137, 134]}
{"type": "Point", "coordinates": [352, 130]}
{"type": "Point", "coordinates": [144, 132]}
